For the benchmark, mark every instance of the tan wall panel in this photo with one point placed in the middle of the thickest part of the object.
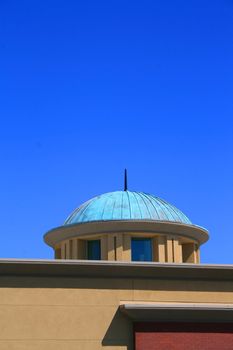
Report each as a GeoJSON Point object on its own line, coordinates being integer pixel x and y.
{"type": "Point", "coordinates": [67, 243]}
{"type": "Point", "coordinates": [126, 247]}
{"type": "Point", "coordinates": [188, 252]}
{"type": "Point", "coordinates": [198, 255]}
{"type": "Point", "coordinates": [74, 249]}
{"type": "Point", "coordinates": [60, 322]}
{"type": "Point", "coordinates": [110, 292]}
{"type": "Point", "coordinates": [177, 249]}
{"type": "Point", "coordinates": [63, 250]}
{"type": "Point", "coordinates": [183, 291]}
{"type": "Point", "coordinates": [82, 249]}
{"type": "Point", "coordinates": [162, 249]}
{"type": "Point", "coordinates": [111, 250]}
{"type": "Point", "coordinates": [104, 247]}
{"type": "Point", "coordinates": [56, 345]}
{"type": "Point", "coordinates": [82, 292]}
{"type": "Point", "coordinates": [169, 246]}
{"type": "Point", "coordinates": [119, 247]}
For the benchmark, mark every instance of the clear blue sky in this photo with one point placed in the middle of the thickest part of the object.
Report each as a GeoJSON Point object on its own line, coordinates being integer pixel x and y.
{"type": "Point", "coordinates": [88, 88]}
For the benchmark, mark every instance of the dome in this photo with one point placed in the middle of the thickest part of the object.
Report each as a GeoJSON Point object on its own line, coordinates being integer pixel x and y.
{"type": "Point", "coordinates": [126, 205]}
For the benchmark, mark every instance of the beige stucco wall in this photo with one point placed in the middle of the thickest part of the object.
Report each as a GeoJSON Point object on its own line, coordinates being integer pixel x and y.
{"type": "Point", "coordinates": [56, 313]}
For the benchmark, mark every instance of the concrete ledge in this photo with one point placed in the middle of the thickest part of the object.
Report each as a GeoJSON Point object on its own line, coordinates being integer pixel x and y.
{"type": "Point", "coordinates": [178, 312]}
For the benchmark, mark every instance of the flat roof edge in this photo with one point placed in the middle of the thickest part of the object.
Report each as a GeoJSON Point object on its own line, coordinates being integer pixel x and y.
{"type": "Point", "coordinates": [113, 269]}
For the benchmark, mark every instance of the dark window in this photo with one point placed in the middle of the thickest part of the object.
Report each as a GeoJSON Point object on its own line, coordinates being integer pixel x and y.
{"type": "Point", "coordinates": [141, 249]}
{"type": "Point", "coordinates": [93, 250]}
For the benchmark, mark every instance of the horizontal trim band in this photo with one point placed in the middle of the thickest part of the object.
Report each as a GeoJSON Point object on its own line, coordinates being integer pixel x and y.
{"type": "Point", "coordinates": [62, 233]}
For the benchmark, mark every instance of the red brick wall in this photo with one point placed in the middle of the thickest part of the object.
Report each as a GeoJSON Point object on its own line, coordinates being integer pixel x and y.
{"type": "Point", "coordinates": [183, 336]}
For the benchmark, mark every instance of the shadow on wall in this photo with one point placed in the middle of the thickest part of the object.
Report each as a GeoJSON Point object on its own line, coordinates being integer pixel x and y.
{"type": "Point", "coordinates": [113, 283]}
{"type": "Point", "coordinates": [119, 332]}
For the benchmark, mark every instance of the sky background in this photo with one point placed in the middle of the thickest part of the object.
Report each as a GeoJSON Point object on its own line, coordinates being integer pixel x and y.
{"type": "Point", "coordinates": [88, 88]}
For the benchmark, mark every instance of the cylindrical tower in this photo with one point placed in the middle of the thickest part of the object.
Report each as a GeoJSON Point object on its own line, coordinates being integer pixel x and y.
{"type": "Point", "coordinates": [128, 226]}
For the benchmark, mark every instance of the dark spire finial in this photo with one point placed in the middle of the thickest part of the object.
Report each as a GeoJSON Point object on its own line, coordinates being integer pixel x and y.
{"type": "Point", "coordinates": [126, 181]}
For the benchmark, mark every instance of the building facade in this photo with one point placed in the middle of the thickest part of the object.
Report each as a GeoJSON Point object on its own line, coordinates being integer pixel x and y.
{"type": "Point", "coordinates": [126, 275]}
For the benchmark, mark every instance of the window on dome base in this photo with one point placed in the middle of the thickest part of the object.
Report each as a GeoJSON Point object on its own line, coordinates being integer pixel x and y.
{"type": "Point", "coordinates": [93, 250]}
{"type": "Point", "coordinates": [141, 249]}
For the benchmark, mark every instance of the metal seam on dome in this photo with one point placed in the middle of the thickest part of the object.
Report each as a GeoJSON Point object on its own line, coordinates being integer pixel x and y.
{"type": "Point", "coordinates": [122, 195]}
{"type": "Point", "coordinates": [77, 210]}
{"type": "Point", "coordinates": [113, 207]}
{"type": "Point", "coordinates": [105, 204]}
{"type": "Point", "coordinates": [148, 197]}
{"type": "Point", "coordinates": [129, 205]}
{"type": "Point", "coordinates": [116, 205]}
{"type": "Point", "coordinates": [140, 194]}
{"type": "Point", "coordinates": [167, 206]}
{"type": "Point", "coordinates": [70, 217]}
{"type": "Point", "coordinates": [176, 211]}
{"type": "Point", "coordinates": [87, 206]}
{"type": "Point", "coordinates": [161, 205]}
{"type": "Point", "coordinates": [180, 215]}
{"type": "Point", "coordinates": [137, 203]}
{"type": "Point", "coordinates": [125, 207]}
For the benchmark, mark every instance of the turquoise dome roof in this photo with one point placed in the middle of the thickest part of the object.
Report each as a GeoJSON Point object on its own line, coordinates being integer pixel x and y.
{"type": "Point", "coordinates": [126, 205]}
